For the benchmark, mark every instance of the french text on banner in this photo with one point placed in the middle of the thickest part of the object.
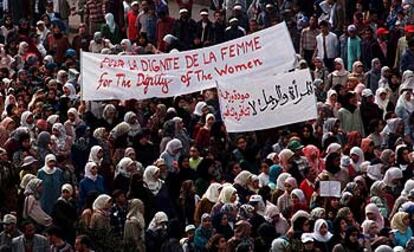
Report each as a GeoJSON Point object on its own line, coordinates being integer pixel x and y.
{"type": "Point", "coordinates": [124, 77]}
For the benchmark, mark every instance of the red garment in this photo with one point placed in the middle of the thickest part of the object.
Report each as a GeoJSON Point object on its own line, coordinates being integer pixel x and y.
{"type": "Point", "coordinates": [132, 29]}
{"type": "Point", "coordinates": [307, 189]}
{"type": "Point", "coordinates": [58, 45]}
{"type": "Point", "coordinates": [164, 27]}
{"type": "Point", "coordinates": [203, 138]}
{"type": "Point", "coordinates": [313, 155]}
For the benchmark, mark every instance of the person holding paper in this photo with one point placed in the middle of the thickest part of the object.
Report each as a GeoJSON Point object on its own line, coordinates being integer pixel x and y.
{"type": "Point", "coordinates": [333, 171]}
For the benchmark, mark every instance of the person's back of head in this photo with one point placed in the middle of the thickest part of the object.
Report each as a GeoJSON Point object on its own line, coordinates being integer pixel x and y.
{"type": "Point", "coordinates": [83, 243]}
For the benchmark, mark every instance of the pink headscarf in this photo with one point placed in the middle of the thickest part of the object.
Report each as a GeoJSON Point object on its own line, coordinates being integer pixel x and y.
{"type": "Point", "coordinates": [313, 154]}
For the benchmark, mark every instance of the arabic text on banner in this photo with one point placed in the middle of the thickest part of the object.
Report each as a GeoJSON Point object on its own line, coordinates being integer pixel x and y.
{"type": "Point", "coordinates": [274, 101]}
{"type": "Point", "coordinates": [123, 77]}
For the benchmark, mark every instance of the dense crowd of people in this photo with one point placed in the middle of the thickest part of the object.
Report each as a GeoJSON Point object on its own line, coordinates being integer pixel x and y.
{"type": "Point", "coordinates": [164, 175]}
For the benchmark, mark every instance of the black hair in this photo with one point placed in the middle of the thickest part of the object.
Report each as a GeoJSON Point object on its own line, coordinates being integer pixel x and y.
{"type": "Point", "coordinates": [56, 231]}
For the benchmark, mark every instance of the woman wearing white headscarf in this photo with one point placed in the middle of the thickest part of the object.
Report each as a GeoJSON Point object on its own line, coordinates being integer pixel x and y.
{"type": "Point", "coordinates": [61, 142]}
{"type": "Point", "coordinates": [130, 152]}
{"type": "Point", "coordinates": [134, 229]}
{"type": "Point", "coordinates": [322, 235]}
{"type": "Point", "coordinates": [274, 217]}
{"type": "Point", "coordinates": [124, 170]}
{"type": "Point", "coordinates": [96, 155]}
{"type": "Point", "coordinates": [110, 29]}
{"type": "Point", "coordinates": [100, 220]}
{"type": "Point", "coordinates": [126, 47]}
{"type": "Point", "coordinates": [392, 176]}
{"type": "Point", "coordinates": [162, 199]}
{"type": "Point", "coordinates": [132, 120]}
{"type": "Point", "coordinates": [228, 195]}
{"type": "Point", "coordinates": [157, 231]}
{"type": "Point", "coordinates": [91, 182]}
{"type": "Point", "coordinates": [372, 212]}
{"type": "Point", "coordinates": [109, 117]}
{"type": "Point", "coordinates": [209, 199]}
{"type": "Point", "coordinates": [370, 230]}
{"type": "Point", "coordinates": [70, 92]}
{"type": "Point", "coordinates": [242, 182]}
{"type": "Point", "coordinates": [357, 158]}
{"type": "Point", "coordinates": [382, 99]}
{"type": "Point", "coordinates": [339, 76]}
{"type": "Point", "coordinates": [26, 120]}
{"type": "Point", "coordinates": [172, 154]}
{"type": "Point", "coordinates": [73, 122]}
{"type": "Point", "coordinates": [32, 207]}
{"type": "Point", "coordinates": [404, 108]}
{"type": "Point", "coordinates": [53, 180]}
{"type": "Point", "coordinates": [152, 179]}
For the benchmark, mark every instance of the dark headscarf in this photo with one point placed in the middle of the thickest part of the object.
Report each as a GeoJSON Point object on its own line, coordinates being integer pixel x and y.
{"type": "Point", "coordinates": [352, 246]}
{"type": "Point", "coordinates": [347, 105]}
{"type": "Point", "coordinates": [330, 165]}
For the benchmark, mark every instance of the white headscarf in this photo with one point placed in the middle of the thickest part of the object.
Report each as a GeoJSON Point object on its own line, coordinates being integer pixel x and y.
{"type": "Point", "coordinates": [101, 202]}
{"type": "Point", "coordinates": [135, 127]}
{"type": "Point", "coordinates": [212, 193]}
{"type": "Point", "coordinates": [382, 104]}
{"type": "Point", "coordinates": [72, 90]}
{"type": "Point", "coordinates": [392, 174]}
{"type": "Point", "coordinates": [226, 193]}
{"type": "Point", "coordinates": [23, 120]}
{"type": "Point", "coordinates": [47, 169]}
{"type": "Point", "coordinates": [110, 21]}
{"type": "Point", "coordinates": [299, 194]}
{"type": "Point", "coordinates": [122, 167]}
{"type": "Point", "coordinates": [280, 182]}
{"type": "Point", "coordinates": [154, 184]}
{"type": "Point", "coordinates": [173, 145]}
{"type": "Point", "coordinates": [357, 151]}
{"type": "Point", "coordinates": [158, 222]}
{"type": "Point", "coordinates": [198, 110]}
{"type": "Point", "coordinates": [74, 112]}
{"type": "Point", "coordinates": [243, 178]}
{"type": "Point", "coordinates": [93, 155]}
{"type": "Point", "coordinates": [88, 168]}
{"type": "Point", "coordinates": [372, 208]}
{"type": "Point", "coordinates": [408, 186]}
{"type": "Point", "coordinates": [408, 105]}
{"type": "Point", "coordinates": [61, 139]}
{"type": "Point", "coordinates": [317, 234]}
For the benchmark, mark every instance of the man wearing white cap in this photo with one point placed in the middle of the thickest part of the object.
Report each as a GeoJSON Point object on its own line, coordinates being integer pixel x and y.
{"type": "Point", "coordinates": [230, 4]}
{"type": "Point", "coordinates": [9, 230]}
{"type": "Point", "coordinates": [184, 29]}
{"type": "Point", "coordinates": [240, 14]}
{"type": "Point", "coordinates": [234, 30]}
{"type": "Point", "coordinates": [204, 30]}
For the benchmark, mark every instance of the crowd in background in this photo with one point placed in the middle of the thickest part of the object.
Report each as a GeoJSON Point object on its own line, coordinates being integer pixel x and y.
{"type": "Point", "coordinates": [164, 175]}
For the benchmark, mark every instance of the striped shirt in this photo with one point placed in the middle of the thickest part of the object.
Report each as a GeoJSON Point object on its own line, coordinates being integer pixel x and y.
{"type": "Point", "coordinates": [94, 9]}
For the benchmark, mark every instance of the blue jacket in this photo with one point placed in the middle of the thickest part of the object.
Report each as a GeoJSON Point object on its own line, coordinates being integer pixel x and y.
{"type": "Point", "coordinates": [407, 61]}
{"type": "Point", "coordinates": [52, 184]}
{"type": "Point", "coordinates": [88, 185]}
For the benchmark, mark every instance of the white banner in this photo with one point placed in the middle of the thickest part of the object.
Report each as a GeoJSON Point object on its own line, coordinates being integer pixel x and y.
{"type": "Point", "coordinates": [268, 102]}
{"type": "Point", "coordinates": [124, 77]}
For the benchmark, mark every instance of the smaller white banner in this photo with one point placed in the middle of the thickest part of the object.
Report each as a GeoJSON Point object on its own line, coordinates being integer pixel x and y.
{"type": "Point", "coordinates": [267, 102]}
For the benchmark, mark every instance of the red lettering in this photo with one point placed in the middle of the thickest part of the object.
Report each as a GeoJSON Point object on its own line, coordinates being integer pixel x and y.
{"type": "Point", "coordinates": [103, 82]}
